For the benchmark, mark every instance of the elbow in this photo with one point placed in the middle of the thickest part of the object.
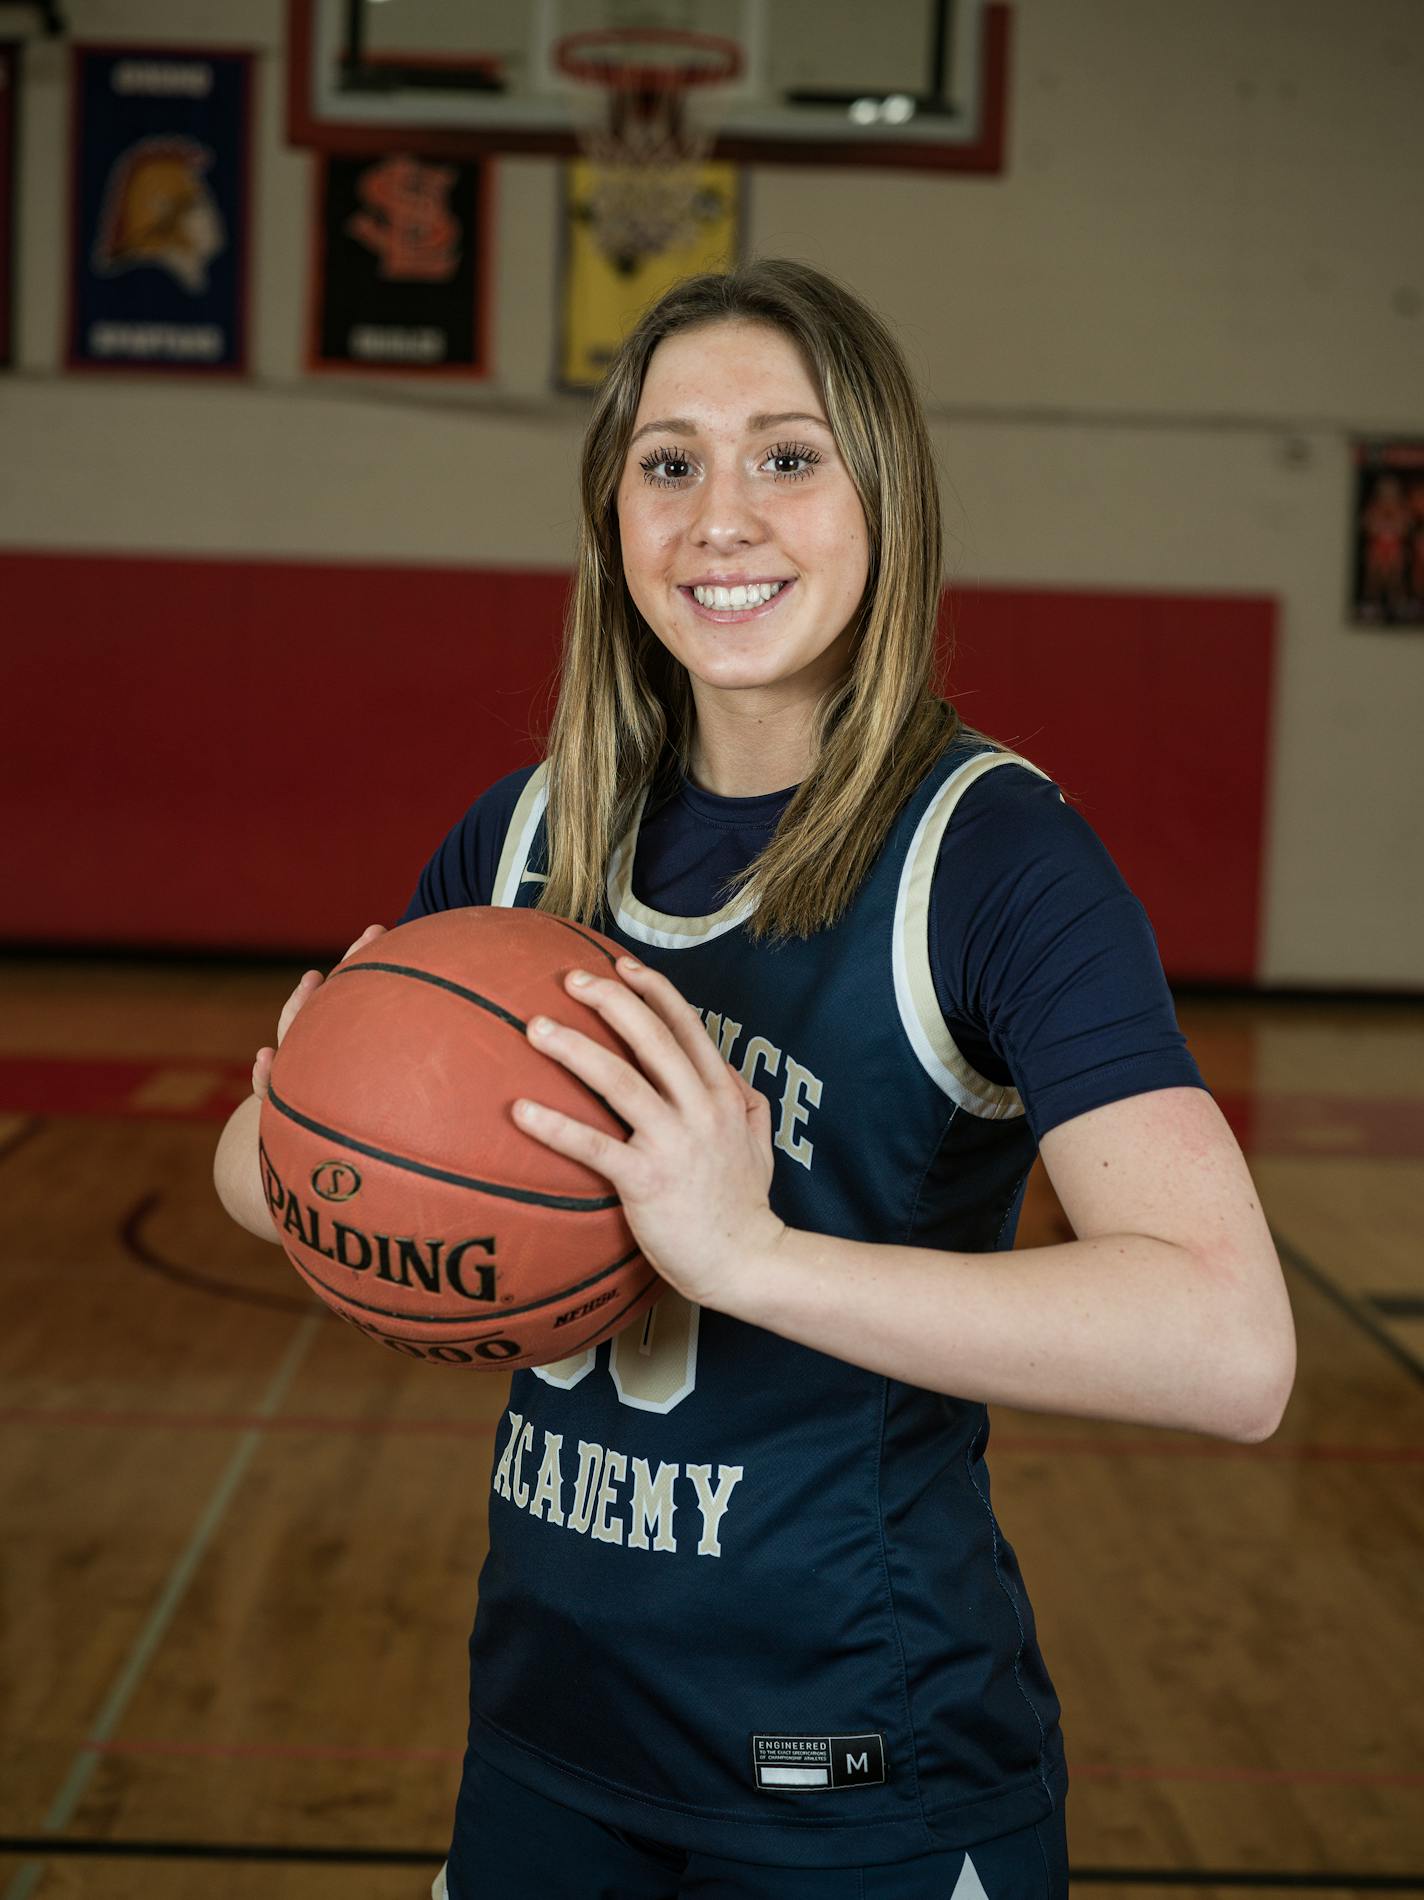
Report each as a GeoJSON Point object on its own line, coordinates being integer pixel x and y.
{"type": "Point", "coordinates": [1268, 1385]}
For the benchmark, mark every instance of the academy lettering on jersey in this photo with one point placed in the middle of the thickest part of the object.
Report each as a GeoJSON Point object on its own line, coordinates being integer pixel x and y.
{"type": "Point", "coordinates": [601, 1493]}
{"type": "Point", "coordinates": [800, 1089]}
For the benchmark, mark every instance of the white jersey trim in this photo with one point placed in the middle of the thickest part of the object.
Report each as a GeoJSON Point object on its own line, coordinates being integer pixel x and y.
{"type": "Point", "coordinates": [654, 926]}
{"type": "Point", "coordinates": [939, 1055]}
{"type": "Point", "coordinates": [519, 839]}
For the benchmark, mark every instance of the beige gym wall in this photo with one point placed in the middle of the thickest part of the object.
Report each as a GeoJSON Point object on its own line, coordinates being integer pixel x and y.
{"type": "Point", "coordinates": [1145, 349]}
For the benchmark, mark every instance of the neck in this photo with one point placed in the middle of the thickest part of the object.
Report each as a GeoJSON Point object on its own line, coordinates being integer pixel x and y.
{"type": "Point", "coordinates": [741, 749]}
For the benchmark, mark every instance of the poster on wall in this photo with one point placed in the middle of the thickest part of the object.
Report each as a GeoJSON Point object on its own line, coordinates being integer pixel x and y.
{"type": "Point", "coordinates": [400, 274]}
{"type": "Point", "coordinates": [1388, 586]}
{"type": "Point", "coordinates": [162, 143]}
{"type": "Point", "coordinates": [9, 83]}
{"type": "Point", "coordinates": [603, 293]}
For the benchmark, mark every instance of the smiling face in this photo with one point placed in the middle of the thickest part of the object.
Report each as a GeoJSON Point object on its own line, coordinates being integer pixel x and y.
{"type": "Point", "coordinates": [744, 543]}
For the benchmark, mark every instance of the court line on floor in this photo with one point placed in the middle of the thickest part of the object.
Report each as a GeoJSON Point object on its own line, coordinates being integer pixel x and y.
{"type": "Point", "coordinates": [1081, 1771]}
{"type": "Point", "coordinates": [1330, 1881]}
{"type": "Point", "coordinates": [1353, 1308]}
{"type": "Point", "coordinates": [119, 1419]}
{"type": "Point", "coordinates": [146, 1643]}
{"type": "Point", "coordinates": [17, 1137]}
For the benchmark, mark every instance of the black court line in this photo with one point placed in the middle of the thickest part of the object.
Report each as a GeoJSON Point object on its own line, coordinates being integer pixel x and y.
{"type": "Point", "coordinates": [52, 1849]}
{"type": "Point", "coordinates": [137, 1246]}
{"type": "Point", "coordinates": [1357, 1310]}
{"type": "Point", "coordinates": [576, 1203]}
{"type": "Point", "coordinates": [1397, 1305]}
{"type": "Point", "coordinates": [19, 1136]}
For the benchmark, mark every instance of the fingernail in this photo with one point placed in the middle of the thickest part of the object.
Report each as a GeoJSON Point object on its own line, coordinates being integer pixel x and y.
{"type": "Point", "coordinates": [540, 1025]}
{"type": "Point", "coordinates": [580, 979]}
{"type": "Point", "coordinates": [629, 963]}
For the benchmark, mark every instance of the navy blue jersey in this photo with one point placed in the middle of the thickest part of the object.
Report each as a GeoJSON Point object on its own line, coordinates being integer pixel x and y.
{"type": "Point", "coordinates": [741, 1596]}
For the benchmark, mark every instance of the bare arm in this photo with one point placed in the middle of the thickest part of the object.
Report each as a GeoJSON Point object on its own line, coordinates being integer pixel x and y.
{"type": "Point", "coordinates": [1167, 1309]}
{"type": "Point", "coordinates": [236, 1174]}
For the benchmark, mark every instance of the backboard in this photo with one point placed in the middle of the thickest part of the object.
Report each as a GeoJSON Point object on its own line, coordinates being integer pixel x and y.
{"type": "Point", "coordinates": [921, 84]}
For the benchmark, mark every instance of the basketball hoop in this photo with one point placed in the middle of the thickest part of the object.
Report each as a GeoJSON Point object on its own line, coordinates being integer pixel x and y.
{"type": "Point", "coordinates": [643, 144]}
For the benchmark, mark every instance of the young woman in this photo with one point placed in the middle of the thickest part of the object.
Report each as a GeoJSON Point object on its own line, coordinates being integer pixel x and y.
{"type": "Point", "coordinates": [749, 1625]}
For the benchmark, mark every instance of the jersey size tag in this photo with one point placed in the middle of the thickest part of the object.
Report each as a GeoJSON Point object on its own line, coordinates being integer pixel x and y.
{"type": "Point", "coordinates": [800, 1763]}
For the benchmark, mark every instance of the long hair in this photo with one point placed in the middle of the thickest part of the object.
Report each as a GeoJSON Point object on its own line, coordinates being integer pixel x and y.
{"type": "Point", "coordinates": [624, 721]}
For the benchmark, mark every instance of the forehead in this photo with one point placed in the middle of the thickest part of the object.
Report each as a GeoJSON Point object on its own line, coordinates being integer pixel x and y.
{"type": "Point", "coordinates": [727, 371]}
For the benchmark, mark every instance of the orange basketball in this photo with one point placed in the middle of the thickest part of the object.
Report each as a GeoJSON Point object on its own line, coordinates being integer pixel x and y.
{"type": "Point", "coordinates": [404, 1193]}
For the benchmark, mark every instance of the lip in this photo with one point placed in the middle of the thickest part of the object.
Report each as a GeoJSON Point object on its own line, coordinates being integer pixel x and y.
{"type": "Point", "coordinates": [731, 615]}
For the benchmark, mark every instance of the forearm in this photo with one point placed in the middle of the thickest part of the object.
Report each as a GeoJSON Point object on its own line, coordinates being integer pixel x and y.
{"type": "Point", "coordinates": [236, 1174]}
{"type": "Point", "coordinates": [1121, 1326]}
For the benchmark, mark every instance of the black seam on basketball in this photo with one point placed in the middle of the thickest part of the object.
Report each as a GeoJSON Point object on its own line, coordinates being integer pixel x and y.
{"type": "Point", "coordinates": [592, 942]}
{"type": "Point", "coordinates": [573, 1203]}
{"type": "Point", "coordinates": [483, 1002]}
{"type": "Point", "coordinates": [603, 1321]}
{"type": "Point", "coordinates": [597, 1330]}
{"type": "Point", "coordinates": [439, 983]}
{"type": "Point", "coordinates": [498, 1314]}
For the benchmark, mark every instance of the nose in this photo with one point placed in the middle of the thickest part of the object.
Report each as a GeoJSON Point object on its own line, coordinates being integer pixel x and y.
{"type": "Point", "coordinates": [727, 515]}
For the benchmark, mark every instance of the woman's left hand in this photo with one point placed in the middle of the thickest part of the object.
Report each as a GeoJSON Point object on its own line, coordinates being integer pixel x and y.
{"type": "Point", "coordinates": [695, 1172]}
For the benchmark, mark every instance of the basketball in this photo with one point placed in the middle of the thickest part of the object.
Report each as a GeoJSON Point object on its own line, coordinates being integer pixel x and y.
{"type": "Point", "coordinates": [404, 1193]}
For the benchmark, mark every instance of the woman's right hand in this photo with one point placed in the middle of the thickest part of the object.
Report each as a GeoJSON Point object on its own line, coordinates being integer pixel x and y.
{"type": "Point", "coordinates": [310, 983]}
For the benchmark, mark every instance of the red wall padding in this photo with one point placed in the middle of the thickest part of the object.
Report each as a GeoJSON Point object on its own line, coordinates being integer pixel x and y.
{"type": "Point", "coordinates": [260, 755]}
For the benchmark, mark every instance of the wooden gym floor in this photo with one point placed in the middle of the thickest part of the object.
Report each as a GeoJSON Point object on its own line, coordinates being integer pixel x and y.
{"type": "Point", "coordinates": [240, 1544]}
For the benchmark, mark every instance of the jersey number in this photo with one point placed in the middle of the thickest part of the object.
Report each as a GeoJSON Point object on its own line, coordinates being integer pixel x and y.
{"type": "Point", "coordinates": [653, 1362]}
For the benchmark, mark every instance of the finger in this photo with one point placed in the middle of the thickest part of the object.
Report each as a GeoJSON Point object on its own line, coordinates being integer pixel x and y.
{"type": "Point", "coordinates": [663, 995]}
{"type": "Point", "coordinates": [262, 1074]}
{"type": "Point", "coordinates": [308, 986]}
{"type": "Point", "coordinates": [576, 1140]}
{"type": "Point", "coordinates": [629, 1094]}
{"type": "Point", "coordinates": [664, 1033]}
{"type": "Point", "coordinates": [368, 935]}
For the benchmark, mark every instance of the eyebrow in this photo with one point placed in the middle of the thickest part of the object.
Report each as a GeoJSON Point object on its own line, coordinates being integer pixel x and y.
{"type": "Point", "coordinates": [684, 425]}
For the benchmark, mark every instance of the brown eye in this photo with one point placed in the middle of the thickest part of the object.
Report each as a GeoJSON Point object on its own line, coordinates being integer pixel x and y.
{"type": "Point", "coordinates": [665, 468]}
{"type": "Point", "coordinates": [792, 461]}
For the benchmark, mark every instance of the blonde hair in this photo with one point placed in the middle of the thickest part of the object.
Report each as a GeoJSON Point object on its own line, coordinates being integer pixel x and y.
{"type": "Point", "coordinates": [623, 725]}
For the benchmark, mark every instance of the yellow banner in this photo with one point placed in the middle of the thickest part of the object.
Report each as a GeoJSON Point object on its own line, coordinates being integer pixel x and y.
{"type": "Point", "coordinates": [602, 299]}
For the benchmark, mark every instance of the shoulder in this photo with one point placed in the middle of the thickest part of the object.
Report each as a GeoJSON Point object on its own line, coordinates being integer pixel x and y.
{"type": "Point", "coordinates": [465, 866]}
{"type": "Point", "coordinates": [1012, 819]}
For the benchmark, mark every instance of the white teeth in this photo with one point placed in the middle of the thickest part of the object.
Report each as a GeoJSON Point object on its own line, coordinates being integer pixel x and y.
{"type": "Point", "coordinates": [731, 599]}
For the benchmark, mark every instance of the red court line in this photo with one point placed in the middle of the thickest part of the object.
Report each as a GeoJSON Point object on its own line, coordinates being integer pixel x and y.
{"type": "Point", "coordinates": [1320, 1125]}
{"type": "Point", "coordinates": [275, 1751]}
{"type": "Point", "coordinates": [1092, 1771]}
{"type": "Point", "coordinates": [483, 1428]}
{"type": "Point", "coordinates": [1289, 1777]}
{"type": "Point", "coordinates": [244, 1422]}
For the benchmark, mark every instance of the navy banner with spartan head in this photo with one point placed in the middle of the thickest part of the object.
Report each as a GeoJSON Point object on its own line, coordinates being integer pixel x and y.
{"type": "Point", "coordinates": [9, 82]}
{"type": "Point", "coordinates": [161, 209]}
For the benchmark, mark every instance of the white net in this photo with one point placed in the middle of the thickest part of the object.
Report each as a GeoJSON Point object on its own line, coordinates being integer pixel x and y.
{"type": "Point", "coordinates": [645, 127]}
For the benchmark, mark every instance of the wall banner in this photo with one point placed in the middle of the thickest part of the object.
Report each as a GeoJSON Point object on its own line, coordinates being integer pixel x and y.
{"type": "Point", "coordinates": [600, 299]}
{"type": "Point", "coordinates": [399, 275]}
{"type": "Point", "coordinates": [161, 209]}
{"type": "Point", "coordinates": [9, 86]}
{"type": "Point", "coordinates": [1389, 535]}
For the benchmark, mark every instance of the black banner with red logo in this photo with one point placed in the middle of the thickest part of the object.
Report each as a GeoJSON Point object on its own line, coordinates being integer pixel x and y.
{"type": "Point", "coordinates": [400, 274]}
{"type": "Point", "coordinates": [9, 81]}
